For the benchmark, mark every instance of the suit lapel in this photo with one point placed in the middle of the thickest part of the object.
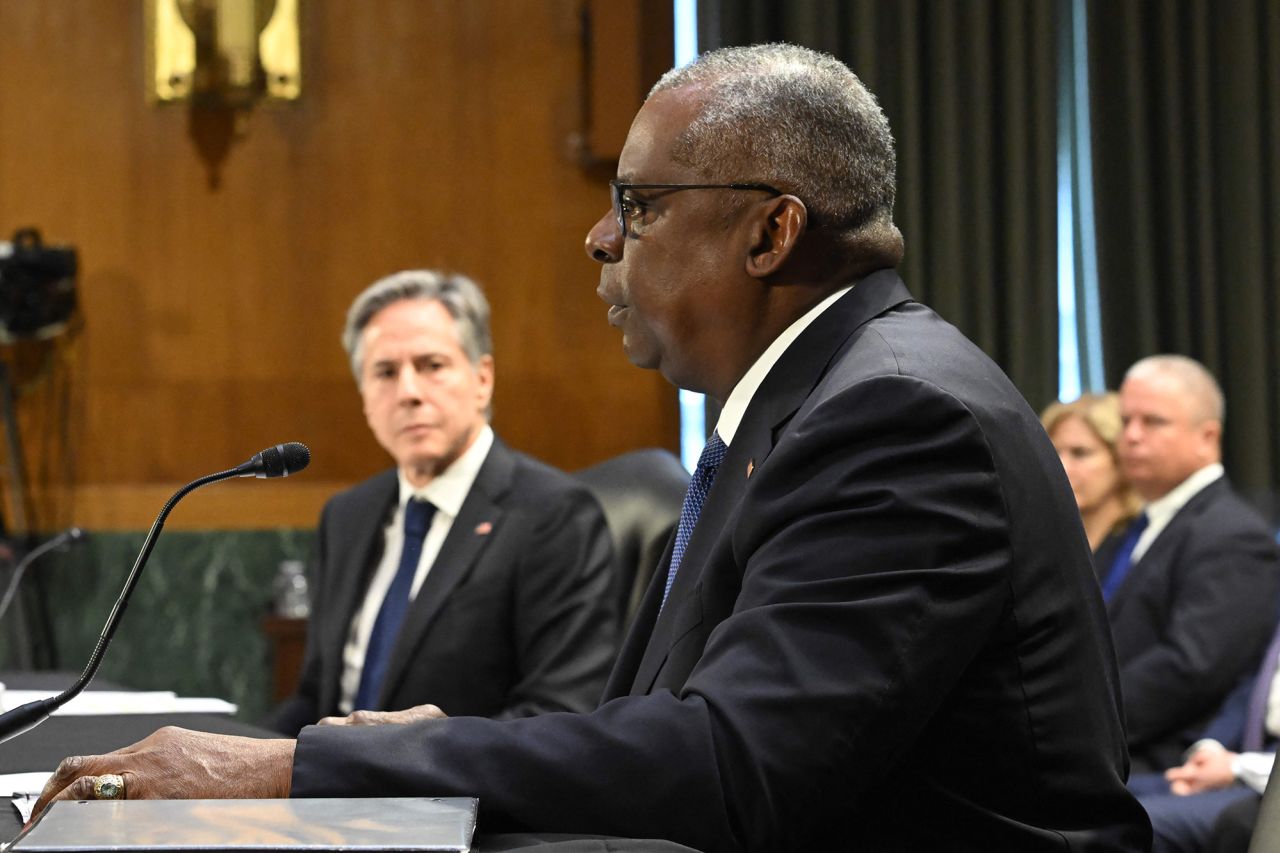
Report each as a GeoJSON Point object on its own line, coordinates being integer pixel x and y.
{"type": "Point", "coordinates": [1161, 549]}
{"type": "Point", "coordinates": [480, 515]}
{"type": "Point", "coordinates": [785, 389]}
{"type": "Point", "coordinates": [636, 643]}
{"type": "Point", "coordinates": [357, 563]}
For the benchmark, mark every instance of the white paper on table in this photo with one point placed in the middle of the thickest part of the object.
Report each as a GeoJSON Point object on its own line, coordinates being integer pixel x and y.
{"type": "Point", "coordinates": [101, 702]}
{"type": "Point", "coordinates": [13, 784]}
{"type": "Point", "coordinates": [23, 789]}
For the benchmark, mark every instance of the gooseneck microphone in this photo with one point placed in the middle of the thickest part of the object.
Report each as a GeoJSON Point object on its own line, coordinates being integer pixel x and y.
{"type": "Point", "coordinates": [71, 534]}
{"type": "Point", "coordinates": [278, 461]}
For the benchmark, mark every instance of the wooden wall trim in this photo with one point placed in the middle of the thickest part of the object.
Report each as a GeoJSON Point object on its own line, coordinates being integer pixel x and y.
{"type": "Point", "coordinates": [428, 135]}
{"type": "Point", "coordinates": [232, 505]}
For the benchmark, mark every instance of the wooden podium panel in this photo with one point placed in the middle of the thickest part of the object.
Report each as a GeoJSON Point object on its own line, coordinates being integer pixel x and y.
{"type": "Point", "coordinates": [288, 640]}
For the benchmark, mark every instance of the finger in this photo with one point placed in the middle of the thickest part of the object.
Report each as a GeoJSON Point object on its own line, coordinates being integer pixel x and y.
{"type": "Point", "coordinates": [70, 769]}
{"type": "Point", "coordinates": [80, 788]}
{"type": "Point", "coordinates": [66, 772]}
{"type": "Point", "coordinates": [369, 718]}
{"type": "Point", "coordinates": [416, 714]}
{"type": "Point", "coordinates": [334, 721]}
{"type": "Point", "coordinates": [134, 786]}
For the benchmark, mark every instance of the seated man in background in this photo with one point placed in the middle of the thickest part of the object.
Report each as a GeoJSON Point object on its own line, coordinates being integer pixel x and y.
{"type": "Point", "coordinates": [469, 575]}
{"type": "Point", "coordinates": [878, 628]}
{"type": "Point", "coordinates": [1192, 588]}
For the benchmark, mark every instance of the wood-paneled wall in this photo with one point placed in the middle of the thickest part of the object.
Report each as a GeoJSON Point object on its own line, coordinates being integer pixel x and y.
{"type": "Point", "coordinates": [216, 268]}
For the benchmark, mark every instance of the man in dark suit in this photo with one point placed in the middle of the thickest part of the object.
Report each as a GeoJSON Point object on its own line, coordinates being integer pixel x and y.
{"type": "Point", "coordinates": [507, 608]}
{"type": "Point", "coordinates": [1192, 589]}
{"type": "Point", "coordinates": [1226, 770]}
{"type": "Point", "coordinates": [877, 626]}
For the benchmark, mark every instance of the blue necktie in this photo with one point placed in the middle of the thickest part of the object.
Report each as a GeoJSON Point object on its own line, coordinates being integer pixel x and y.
{"type": "Point", "coordinates": [703, 476]}
{"type": "Point", "coordinates": [417, 518]}
{"type": "Point", "coordinates": [1123, 560]}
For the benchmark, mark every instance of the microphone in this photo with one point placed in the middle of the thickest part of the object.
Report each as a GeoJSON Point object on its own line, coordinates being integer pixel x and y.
{"type": "Point", "coordinates": [278, 461]}
{"type": "Point", "coordinates": [71, 534]}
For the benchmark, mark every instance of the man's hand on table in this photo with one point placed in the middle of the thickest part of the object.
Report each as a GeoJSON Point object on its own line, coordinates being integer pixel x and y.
{"type": "Point", "coordinates": [177, 764]}
{"type": "Point", "coordinates": [378, 718]}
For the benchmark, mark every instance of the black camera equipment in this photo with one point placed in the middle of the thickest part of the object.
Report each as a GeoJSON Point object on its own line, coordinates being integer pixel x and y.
{"type": "Point", "coordinates": [37, 287]}
{"type": "Point", "coordinates": [37, 304]}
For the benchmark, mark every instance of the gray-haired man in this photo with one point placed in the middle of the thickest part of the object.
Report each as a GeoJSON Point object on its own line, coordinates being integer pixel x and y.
{"type": "Point", "coordinates": [878, 628]}
{"type": "Point", "coordinates": [469, 577]}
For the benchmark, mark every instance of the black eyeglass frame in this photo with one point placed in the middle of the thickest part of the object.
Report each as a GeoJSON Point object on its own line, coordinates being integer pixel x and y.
{"type": "Point", "coordinates": [617, 188]}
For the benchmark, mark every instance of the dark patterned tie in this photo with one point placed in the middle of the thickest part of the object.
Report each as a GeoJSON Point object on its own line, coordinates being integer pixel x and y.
{"type": "Point", "coordinates": [1123, 560]}
{"type": "Point", "coordinates": [417, 519]}
{"type": "Point", "coordinates": [700, 484]}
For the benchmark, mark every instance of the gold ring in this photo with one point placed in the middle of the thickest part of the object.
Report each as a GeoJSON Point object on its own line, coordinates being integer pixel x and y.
{"type": "Point", "coordinates": [109, 786]}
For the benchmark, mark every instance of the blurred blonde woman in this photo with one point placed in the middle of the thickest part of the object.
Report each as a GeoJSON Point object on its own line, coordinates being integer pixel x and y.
{"type": "Point", "coordinates": [1085, 433]}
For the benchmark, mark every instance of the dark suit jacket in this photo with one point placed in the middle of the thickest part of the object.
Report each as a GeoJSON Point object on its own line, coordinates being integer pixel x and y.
{"type": "Point", "coordinates": [885, 635]}
{"type": "Point", "coordinates": [1229, 721]}
{"type": "Point", "coordinates": [517, 616]}
{"type": "Point", "coordinates": [1192, 619]}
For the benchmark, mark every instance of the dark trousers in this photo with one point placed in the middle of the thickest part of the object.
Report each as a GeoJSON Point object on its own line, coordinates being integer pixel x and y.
{"type": "Point", "coordinates": [1186, 824]}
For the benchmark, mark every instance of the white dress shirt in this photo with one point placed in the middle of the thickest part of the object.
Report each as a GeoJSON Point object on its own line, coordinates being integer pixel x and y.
{"type": "Point", "coordinates": [1162, 510]}
{"type": "Point", "coordinates": [446, 493]}
{"type": "Point", "coordinates": [736, 406]}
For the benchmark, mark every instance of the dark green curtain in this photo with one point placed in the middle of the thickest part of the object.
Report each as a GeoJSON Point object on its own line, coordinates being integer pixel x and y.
{"type": "Point", "coordinates": [1186, 130]}
{"type": "Point", "coordinates": [969, 89]}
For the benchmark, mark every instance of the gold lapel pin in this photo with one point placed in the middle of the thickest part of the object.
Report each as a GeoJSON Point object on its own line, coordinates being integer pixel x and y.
{"type": "Point", "coordinates": [751, 466]}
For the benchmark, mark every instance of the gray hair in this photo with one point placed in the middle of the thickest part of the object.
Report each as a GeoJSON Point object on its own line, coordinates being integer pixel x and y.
{"type": "Point", "coordinates": [797, 119]}
{"type": "Point", "coordinates": [459, 295]}
{"type": "Point", "coordinates": [1194, 377]}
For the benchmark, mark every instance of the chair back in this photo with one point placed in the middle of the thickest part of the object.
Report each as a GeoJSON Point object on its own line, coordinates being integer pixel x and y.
{"type": "Point", "coordinates": [641, 493]}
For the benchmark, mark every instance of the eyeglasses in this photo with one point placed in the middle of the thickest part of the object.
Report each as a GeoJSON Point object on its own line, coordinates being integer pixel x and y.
{"type": "Point", "coordinates": [627, 208]}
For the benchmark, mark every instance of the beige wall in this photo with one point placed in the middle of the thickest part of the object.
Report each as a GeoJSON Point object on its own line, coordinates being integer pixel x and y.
{"type": "Point", "coordinates": [429, 134]}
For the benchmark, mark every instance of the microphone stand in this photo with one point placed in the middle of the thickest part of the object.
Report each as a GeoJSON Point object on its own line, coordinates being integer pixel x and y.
{"type": "Point", "coordinates": [71, 534]}
{"type": "Point", "coordinates": [26, 717]}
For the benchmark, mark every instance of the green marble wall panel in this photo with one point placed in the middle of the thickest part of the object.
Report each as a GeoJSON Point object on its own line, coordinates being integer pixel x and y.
{"type": "Point", "coordinates": [194, 624]}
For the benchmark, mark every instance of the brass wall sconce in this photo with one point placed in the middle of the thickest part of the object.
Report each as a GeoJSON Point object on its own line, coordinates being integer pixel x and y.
{"type": "Point", "coordinates": [222, 57]}
{"type": "Point", "coordinates": [223, 53]}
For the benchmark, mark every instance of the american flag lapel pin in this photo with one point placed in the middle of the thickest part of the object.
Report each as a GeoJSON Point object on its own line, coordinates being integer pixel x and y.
{"type": "Point", "coordinates": [484, 528]}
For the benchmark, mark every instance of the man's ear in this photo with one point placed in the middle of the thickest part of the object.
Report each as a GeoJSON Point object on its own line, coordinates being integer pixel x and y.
{"type": "Point", "coordinates": [485, 375]}
{"type": "Point", "coordinates": [776, 233]}
{"type": "Point", "coordinates": [1211, 438]}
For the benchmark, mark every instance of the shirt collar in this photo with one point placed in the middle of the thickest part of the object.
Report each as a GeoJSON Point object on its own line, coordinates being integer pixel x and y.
{"type": "Point", "coordinates": [447, 491]}
{"type": "Point", "coordinates": [736, 406]}
{"type": "Point", "coordinates": [1162, 509]}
